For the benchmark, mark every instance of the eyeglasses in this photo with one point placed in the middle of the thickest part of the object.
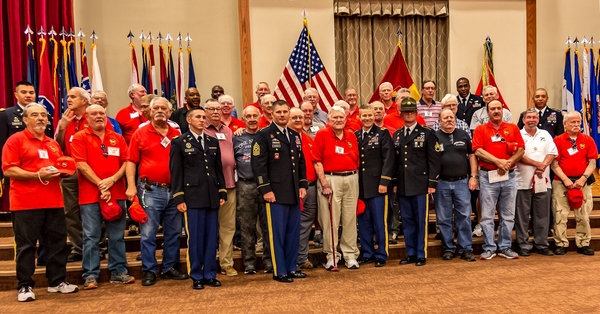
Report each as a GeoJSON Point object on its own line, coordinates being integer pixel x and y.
{"type": "Point", "coordinates": [104, 150]}
{"type": "Point", "coordinates": [450, 105]}
{"type": "Point", "coordinates": [226, 103]}
{"type": "Point", "coordinates": [212, 109]}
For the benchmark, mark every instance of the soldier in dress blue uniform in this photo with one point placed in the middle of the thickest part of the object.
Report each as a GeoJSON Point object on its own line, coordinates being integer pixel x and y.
{"type": "Point", "coordinates": [198, 189]}
{"type": "Point", "coordinates": [467, 102]}
{"type": "Point", "coordinates": [417, 168]}
{"type": "Point", "coordinates": [280, 174]}
{"type": "Point", "coordinates": [550, 120]}
{"type": "Point", "coordinates": [375, 176]}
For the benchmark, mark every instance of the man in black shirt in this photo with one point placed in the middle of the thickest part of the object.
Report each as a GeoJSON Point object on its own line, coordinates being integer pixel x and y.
{"type": "Point", "coordinates": [452, 194]}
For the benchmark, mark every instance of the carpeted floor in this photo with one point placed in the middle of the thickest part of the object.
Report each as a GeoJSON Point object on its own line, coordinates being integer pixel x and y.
{"type": "Point", "coordinates": [536, 284]}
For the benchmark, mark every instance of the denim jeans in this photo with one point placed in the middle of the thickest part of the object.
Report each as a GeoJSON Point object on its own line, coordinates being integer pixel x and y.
{"type": "Point", "coordinates": [91, 220]}
{"type": "Point", "coordinates": [504, 194]}
{"type": "Point", "coordinates": [454, 199]}
{"type": "Point", "coordinates": [160, 208]}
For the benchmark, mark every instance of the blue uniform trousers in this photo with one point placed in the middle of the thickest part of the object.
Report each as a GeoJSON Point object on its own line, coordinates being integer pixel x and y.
{"type": "Point", "coordinates": [202, 228]}
{"type": "Point", "coordinates": [414, 215]}
{"type": "Point", "coordinates": [283, 223]}
{"type": "Point", "coordinates": [373, 222]}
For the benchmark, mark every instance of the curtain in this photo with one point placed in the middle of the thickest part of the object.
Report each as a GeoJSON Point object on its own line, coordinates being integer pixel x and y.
{"type": "Point", "coordinates": [366, 40]}
{"type": "Point", "coordinates": [15, 16]}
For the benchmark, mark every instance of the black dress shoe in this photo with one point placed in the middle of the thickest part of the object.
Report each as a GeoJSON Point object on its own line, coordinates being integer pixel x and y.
{"type": "Point", "coordinates": [138, 257]}
{"type": "Point", "coordinates": [379, 262]}
{"type": "Point", "coordinates": [421, 262]}
{"type": "Point", "coordinates": [524, 252]}
{"type": "Point", "coordinates": [197, 285]}
{"type": "Point", "coordinates": [296, 274]}
{"type": "Point", "coordinates": [585, 250]}
{"type": "Point", "coordinates": [560, 250]}
{"type": "Point", "coordinates": [174, 274]}
{"type": "Point", "coordinates": [74, 257]}
{"type": "Point", "coordinates": [447, 256]}
{"type": "Point", "coordinates": [283, 278]}
{"type": "Point", "coordinates": [211, 282]}
{"type": "Point", "coordinates": [363, 260]}
{"type": "Point", "coordinates": [545, 251]}
{"type": "Point", "coordinates": [149, 279]}
{"type": "Point", "coordinates": [409, 260]}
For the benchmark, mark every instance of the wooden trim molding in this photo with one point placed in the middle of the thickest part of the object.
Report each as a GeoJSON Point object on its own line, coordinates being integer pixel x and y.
{"type": "Point", "coordinates": [245, 51]}
{"type": "Point", "coordinates": [531, 51]}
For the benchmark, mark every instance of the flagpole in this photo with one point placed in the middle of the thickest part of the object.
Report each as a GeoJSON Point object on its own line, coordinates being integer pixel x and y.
{"type": "Point", "coordinates": [305, 22]}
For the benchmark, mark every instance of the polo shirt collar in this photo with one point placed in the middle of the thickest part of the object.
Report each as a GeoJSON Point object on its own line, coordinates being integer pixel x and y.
{"type": "Point", "coordinates": [32, 136]}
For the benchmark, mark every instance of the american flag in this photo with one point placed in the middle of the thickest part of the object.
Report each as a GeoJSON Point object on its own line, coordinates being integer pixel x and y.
{"type": "Point", "coordinates": [300, 74]}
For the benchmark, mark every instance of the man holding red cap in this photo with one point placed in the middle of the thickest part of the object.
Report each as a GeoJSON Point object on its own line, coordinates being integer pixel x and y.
{"type": "Point", "coordinates": [36, 203]}
{"type": "Point", "coordinates": [573, 168]}
{"type": "Point", "coordinates": [100, 156]}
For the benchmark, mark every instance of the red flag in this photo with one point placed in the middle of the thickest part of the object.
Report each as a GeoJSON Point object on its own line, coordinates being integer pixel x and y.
{"type": "Point", "coordinates": [305, 69]}
{"type": "Point", "coordinates": [134, 68]}
{"type": "Point", "coordinates": [399, 75]}
{"type": "Point", "coordinates": [487, 71]}
{"type": "Point", "coordinates": [152, 71]}
{"type": "Point", "coordinates": [46, 89]}
{"type": "Point", "coordinates": [164, 83]}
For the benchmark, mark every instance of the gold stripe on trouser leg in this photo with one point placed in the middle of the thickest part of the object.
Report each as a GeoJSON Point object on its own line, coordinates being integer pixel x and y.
{"type": "Point", "coordinates": [426, 224]}
{"type": "Point", "coordinates": [187, 232]}
{"type": "Point", "coordinates": [385, 225]}
{"type": "Point", "coordinates": [272, 246]}
{"type": "Point", "coordinates": [15, 248]}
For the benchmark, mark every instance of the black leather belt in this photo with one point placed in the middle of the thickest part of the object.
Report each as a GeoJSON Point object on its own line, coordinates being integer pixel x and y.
{"type": "Point", "coordinates": [157, 184]}
{"type": "Point", "coordinates": [312, 183]}
{"type": "Point", "coordinates": [342, 174]}
{"type": "Point", "coordinates": [454, 179]}
{"type": "Point", "coordinates": [486, 170]}
{"type": "Point", "coordinates": [246, 180]}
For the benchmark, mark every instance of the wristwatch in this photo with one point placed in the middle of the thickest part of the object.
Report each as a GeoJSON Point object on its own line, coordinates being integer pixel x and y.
{"type": "Point", "coordinates": [586, 176]}
{"type": "Point", "coordinates": [475, 176]}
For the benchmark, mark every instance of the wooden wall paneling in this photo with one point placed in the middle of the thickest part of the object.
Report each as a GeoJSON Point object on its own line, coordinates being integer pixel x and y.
{"type": "Point", "coordinates": [245, 51]}
{"type": "Point", "coordinates": [531, 51]}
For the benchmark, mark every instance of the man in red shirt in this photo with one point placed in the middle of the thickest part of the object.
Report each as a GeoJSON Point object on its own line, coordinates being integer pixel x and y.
{"type": "Point", "coordinates": [386, 90]}
{"type": "Point", "coordinates": [149, 149]}
{"type": "Point", "coordinates": [36, 203]}
{"type": "Point", "coordinates": [227, 107]}
{"type": "Point", "coordinates": [100, 155]}
{"type": "Point", "coordinates": [261, 89]}
{"type": "Point", "coordinates": [574, 170]}
{"type": "Point", "coordinates": [351, 125]}
{"type": "Point", "coordinates": [498, 146]}
{"type": "Point", "coordinates": [393, 121]}
{"type": "Point", "coordinates": [73, 121]}
{"type": "Point", "coordinates": [351, 97]}
{"type": "Point", "coordinates": [267, 110]}
{"type": "Point", "coordinates": [336, 160]}
{"type": "Point", "coordinates": [131, 116]}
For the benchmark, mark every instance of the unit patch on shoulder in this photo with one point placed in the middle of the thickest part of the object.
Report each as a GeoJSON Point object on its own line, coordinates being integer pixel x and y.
{"type": "Point", "coordinates": [438, 148]}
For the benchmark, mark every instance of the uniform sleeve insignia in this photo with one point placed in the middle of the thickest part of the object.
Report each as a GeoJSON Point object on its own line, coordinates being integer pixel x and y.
{"type": "Point", "coordinates": [438, 148]}
{"type": "Point", "coordinates": [2, 109]}
{"type": "Point", "coordinates": [174, 137]}
{"type": "Point", "coordinates": [188, 145]}
{"type": "Point", "coordinates": [255, 149]}
{"type": "Point", "coordinates": [260, 180]}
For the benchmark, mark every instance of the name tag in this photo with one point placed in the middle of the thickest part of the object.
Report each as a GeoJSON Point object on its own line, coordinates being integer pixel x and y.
{"type": "Point", "coordinates": [134, 115]}
{"type": "Point", "coordinates": [496, 139]}
{"type": "Point", "coordinates": [71, 139]}
{"type": "Point", "coordinates": [314, 128]}
{"type": "Point", "coordinates": [572, 151]}
{"type": "Point", "coordinates": [441, 147]}
{"type": "Point", "coordinates": [114, 151]}
{"type": "Point", "coordinates": [339, 150]}
{"type": "Point", "coordinates": [165, 142]}
{"type": "Point", "coordinates": [43, 153]}
{"type": "Point", "coordinates": [428, 114]}
{"type": "Point", "coordinates": [220, 136]}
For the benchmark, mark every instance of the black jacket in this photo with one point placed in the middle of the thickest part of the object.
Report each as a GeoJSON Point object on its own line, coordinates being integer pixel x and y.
{"type": "Point", "coordinates": [376, 161]}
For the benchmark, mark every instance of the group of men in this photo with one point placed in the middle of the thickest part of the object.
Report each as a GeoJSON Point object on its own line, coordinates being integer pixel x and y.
{"type": "Point", "coordinates": [278, 171]}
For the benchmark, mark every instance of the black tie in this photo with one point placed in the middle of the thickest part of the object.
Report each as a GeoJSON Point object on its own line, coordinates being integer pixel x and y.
{"type": "Point", "coordinates": [540, 114]}
{"type": "Point", "coordinates": [364, 135]}
{"type": "Point", "coordinates": [286, 135]}
{"type": "Point", "coordinates": [201, 140]}
{"type": "Point", "coordinates": [407, 132]}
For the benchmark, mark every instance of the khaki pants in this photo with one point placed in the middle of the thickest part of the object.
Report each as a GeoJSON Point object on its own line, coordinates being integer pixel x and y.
{"type": "Point", "coordinates": [561, 214]}
{"type": "Point", "coordinates": [343, 207]}
{"type": "Point", "coordinates": [227, 229]}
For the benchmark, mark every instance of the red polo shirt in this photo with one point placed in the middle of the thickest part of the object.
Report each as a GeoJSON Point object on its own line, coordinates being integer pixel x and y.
{"type": "Point", "coordinates": [87, 147]}
{"type": "Point", "coordinates": [236, 124]}
{"type": "Point", "coordinates": [336, 155]}
{"type": "Point", "coordinates": [307, 145]}
{"type": "Point", "coordinates": [394, 121]}
{"type": "Point", "coordinates": [25, 151]}
{"type": "Point", "coordinates": [147, 149]}
{"type": "Point", "coordinates": [352, 125]}
{"type": "Point", "coordinates": [393, 108]}
{"type": "Point", "coordinates": [482, 138]}
{"type": "Point", "coordinates": [129, 119]}
{"type": "Point", "coordinates": [574, 165]}
{"type": "Point", "coordinates": [263, 122]}
{"type": "Point", "coordinates": [354, 116]}
{"type": "Point", "coordinates": [75, 126]}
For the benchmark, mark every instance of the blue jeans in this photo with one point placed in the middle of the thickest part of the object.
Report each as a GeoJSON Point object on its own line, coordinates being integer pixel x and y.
{"type": "Point", "coordinates": [91, 220]}
{"type": "Point", "coordinates": [160, 208]}
{"type": "Point", "coordinates": [504, 194]}
{"type": "Point", "coordinates": [454, 199]}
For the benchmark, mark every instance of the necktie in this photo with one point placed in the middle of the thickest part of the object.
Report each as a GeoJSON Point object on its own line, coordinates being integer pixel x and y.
{"type": "Point", "coordinates": [540, 114]}
{"type": "Point", "coordinates": [286, 134]}
{"type": "Point", "coordinates": [364, 135]}
{"type": "Point", "coordinates": [407, 133]}
{"type": "Point", "coordinates": [201, 141]}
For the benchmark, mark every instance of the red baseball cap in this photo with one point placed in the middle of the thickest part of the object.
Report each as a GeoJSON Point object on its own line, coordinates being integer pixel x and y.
{"type": "Point", "coordinates": [137, 212]}
{"type": "Point", "coordinates": [512, 147]}
{"type": "Point", "coordinates": [575, 198]}
{"type": "Point", "coordinates": [110, 210]}
{"type": "Point", "coordinates": [360, 207]}
{"type": "Point", "coordinates": [66, 165]}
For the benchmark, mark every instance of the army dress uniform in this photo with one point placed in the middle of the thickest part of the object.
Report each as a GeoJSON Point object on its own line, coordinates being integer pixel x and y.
{"type": "Point", "coordinates": [376, 168]}
{"type": "Point", "coordinates": [279, 167]}
{"type": "Point", "coordinates": [417, 168]}
{"type": "Point", "coordinates": [467, 107]}
{"type": "Point", "coordinates": [197, 180]}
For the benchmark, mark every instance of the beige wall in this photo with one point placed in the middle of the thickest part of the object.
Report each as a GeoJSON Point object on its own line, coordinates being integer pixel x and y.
{"type": "Point", "coordinates": [471, 21]}
{"type": "Point", "coordinates": [557, 19]}
{"type": "Point", "coordinates": [215, 45]}
{"type": "Point", "coordinates": [275, 26]}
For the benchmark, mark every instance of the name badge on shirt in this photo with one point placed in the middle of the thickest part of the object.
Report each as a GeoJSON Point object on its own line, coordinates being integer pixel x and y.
{"type": "Point", "coordinates": [441, 147]}
{"type": "Point", "coordinates": [496, 139]}
{"type": "Point", "coordinates": [165, 142]}
{"type": "Point", "coordinates": [134, 115]}
{"type": "Point", "coordinates": [314, 128]}
{"type": "Point", "coordinates": [114, 151]}
{"type": "Point", "coordinates": [43, 153]}
{"type": "Point", "coordinates": [339, 150]}
{"type": "Point", "coordinates": [71, 139]}
{"type": "Point", "coordinates": [572, 151]}
{"type": "Point", "coordinates": [220, 136]}
{"type": "Point", "coordinates": [428, 114]}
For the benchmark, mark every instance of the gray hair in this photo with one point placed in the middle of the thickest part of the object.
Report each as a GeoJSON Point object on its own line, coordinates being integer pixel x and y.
{"type": "Point", "coordinates": [132, 88]}
{"type": "Point", "coordinates": [153, 101]}
{"type": "Point", "coordinates": [225, 95]}
{"type": "Point", "coordinates": [447, 98]}
{"type": "Point", "coordinates": [443, 110]}
{"type": "Point", "coordinates": [334, 109]}
{"type": "Point", "coordinates": [90, 107]}
{"type": "Point", "coordinates": [83, 93]}
{"type": "Point", "coordinates": [386, 83]}
{"type": "Point", "coordinates": [490, 87]}
{"type": "Point", "coordinates": [32, 105]}
{"type": "Point", "coordinates": [311, 89]}
{"type": "Point", "coordinates": [570, 115]}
